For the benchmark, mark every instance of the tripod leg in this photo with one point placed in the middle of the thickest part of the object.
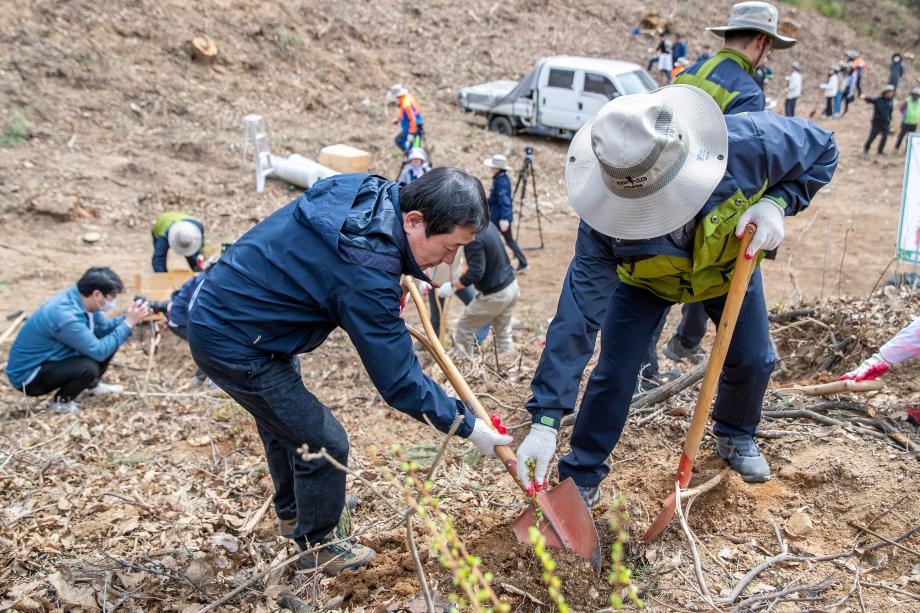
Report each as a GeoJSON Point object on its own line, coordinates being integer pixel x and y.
{"type": "Point", "coordinates": [521, 180]}
{"type": "Point", "coordinates": [536, 204]}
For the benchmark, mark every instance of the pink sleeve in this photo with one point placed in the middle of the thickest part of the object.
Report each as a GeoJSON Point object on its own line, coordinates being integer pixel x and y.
{"type": "Point", "coordinates": [904, 345]}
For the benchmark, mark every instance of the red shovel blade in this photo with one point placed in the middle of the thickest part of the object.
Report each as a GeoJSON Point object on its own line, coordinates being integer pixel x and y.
{"type": "Point", "coordinates": [567, 523]}
{"type": "Point", "coordinates": [684, 471]}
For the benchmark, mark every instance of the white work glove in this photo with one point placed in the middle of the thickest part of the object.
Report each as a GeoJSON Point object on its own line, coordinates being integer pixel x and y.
{"type": "Point", "coordinates": [768, 216]}
{"type": "Point", "coordinates": [423, 287]}
{"type": "Point", "coordinates": [446, 291]}
{"type": "Point", "coordinates": [503, 225]}
{"type": "Point", "coordinates": [486, 438]}
{"type": "Point", "coordinates": [539, 446]}
{"type": "Point", "coordinates": [872, 368]}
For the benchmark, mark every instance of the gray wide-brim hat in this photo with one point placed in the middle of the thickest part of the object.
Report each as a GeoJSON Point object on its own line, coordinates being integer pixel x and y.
{"type": "Point", "coordinates": [759, 16]}
{"type": "Point", "coordinates": [646, 164]}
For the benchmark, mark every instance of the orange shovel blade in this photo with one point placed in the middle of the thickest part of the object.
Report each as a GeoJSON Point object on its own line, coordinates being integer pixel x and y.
{"type": "Point", "coordinates": [567, 523]}
{"type": "Point", "coordinates": [664, 518]}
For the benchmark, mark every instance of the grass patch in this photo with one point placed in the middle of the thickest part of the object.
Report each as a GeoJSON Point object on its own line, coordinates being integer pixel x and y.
{"type": "Point", "coordinates": [16, 132]}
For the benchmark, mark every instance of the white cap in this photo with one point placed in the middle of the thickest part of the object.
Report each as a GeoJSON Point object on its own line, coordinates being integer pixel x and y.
{"type": "Point", "coordinates": [184, 238]}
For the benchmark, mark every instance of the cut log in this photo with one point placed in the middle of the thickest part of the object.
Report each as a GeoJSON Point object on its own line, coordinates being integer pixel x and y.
{"type": "Point", "coordinates": [204, 51]}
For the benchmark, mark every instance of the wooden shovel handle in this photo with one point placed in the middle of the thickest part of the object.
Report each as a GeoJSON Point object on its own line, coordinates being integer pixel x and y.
{"type": "Point", "coordinates": [504, 453]}
{"type": "Point", "coordinates": [836, 387]}
{"type": "Point", "coordinates": [736, 291]}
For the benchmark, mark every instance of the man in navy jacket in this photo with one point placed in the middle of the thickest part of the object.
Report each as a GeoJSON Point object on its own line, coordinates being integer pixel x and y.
{"type": "Point", "coordinates": [332, 258]}
{"type": "Point", "coordinates": [501, 209]}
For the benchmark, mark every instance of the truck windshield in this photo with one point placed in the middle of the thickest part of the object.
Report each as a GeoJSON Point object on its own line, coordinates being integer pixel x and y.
{"type": "Point", "coordinates": [635, 82]}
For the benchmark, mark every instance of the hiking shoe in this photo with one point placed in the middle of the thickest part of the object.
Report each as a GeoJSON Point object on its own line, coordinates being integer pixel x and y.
{"type": "Point", "coordinates": [591, 495]}
{"type": "Point", "coordinates": [744, 456]}
{"type": "Point", "coordinates": [287, 525]}
{"type": "Point", "coordinates": [336, 553]}
{"type": "Point", "coordinates": [101, 389]}
{"type": "Point", "coordinates": [68, 406]}
{"type": "Point", "coordinates": [675, 350]}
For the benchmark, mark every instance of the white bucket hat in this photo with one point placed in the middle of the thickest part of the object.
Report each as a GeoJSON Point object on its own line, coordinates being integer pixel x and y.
{"type": "Point", "coordinates": [646, 163]}
{"type": "Point", "coordinates": [759, 16]}
{"type": "Point", "coordinates": [396, 91]}
{"type": "Point", "coordinates": [497, 161]}
{"type": "Point", "coordinates": [417, 153]}
{"type": "Point", "coordinates": [184, 238]}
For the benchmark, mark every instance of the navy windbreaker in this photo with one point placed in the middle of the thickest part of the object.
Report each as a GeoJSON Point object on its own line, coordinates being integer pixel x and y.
{"type": "Point", "coordinates": [331, 258]}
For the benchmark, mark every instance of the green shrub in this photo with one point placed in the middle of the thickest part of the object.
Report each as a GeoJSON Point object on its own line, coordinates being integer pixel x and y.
{"type": "Point", "coordinates": [16, 132]}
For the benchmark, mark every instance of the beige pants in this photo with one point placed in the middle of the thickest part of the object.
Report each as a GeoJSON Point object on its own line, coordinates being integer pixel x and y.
{"type": "Point", "coordinates": [497, 309]}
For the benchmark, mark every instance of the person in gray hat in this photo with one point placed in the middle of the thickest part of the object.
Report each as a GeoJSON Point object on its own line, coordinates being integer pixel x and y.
{"type": "Point", "coordinates": [664, 186]}
{"type": "Point", "coordinates": [728, 77]}
{"type": "Point", "coordinates": [881, 118]}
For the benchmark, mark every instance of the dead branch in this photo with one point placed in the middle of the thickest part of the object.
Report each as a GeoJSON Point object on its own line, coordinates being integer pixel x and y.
{"type": "Point", "coordinates": [885, 539]}
{"type": "Point", "coordinates": [891, 588]}
{"type": "Point", "coordinates": [813, 587]}
{"type": "Point", "coordinates": [691, 542]}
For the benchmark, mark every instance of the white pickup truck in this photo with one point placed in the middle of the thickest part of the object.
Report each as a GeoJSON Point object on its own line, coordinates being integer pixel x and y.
{"type": "Point", "coordinates": [556, 97]}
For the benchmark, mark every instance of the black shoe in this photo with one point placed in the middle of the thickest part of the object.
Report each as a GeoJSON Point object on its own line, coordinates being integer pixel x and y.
{"type": "Point", "coordinates": [675, 350]}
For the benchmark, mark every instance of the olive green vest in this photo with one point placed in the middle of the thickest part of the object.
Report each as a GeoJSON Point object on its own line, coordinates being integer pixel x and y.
{"type": "Point", "coordinates": [708, 273]}
{"type": "Point", "coordinates": [161, 225]}
{"type": "Point", "coordinates": [722, 96]}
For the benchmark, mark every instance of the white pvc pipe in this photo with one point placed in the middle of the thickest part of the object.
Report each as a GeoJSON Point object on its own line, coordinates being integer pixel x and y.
{"type": "Point", "coordinates": [299, 170]}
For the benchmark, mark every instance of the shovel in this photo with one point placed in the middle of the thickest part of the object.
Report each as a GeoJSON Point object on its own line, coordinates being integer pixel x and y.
{"type": "Point", "coordinates": [736, 291]}
{"type": "Point", "coordinates": [567, 522]}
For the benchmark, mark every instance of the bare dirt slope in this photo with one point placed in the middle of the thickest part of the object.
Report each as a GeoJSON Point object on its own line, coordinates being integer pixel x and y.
{"type": "Point", "coordinates": [153, 502]}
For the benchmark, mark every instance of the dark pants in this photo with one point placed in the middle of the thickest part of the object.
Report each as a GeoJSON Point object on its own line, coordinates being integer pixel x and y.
{"type": "Point", "coordinates": [828, 107]}
{"type": "Point", "coordinates": [692, 326]}
{"type": "Point", "coordinates": [877, 131]}
{"type": "Point", "coordinates": [67, 378]}
{"type": "Point", "coordinates": [631, 321]}
{"type": "Point", "coordinates": [790, 107]}
{"type": "Point", "coordinates": [512, 244]}
{"type": "Point", "coordinates": [906, 129]}
{"type": "Point", "coordinates": [287, 416]}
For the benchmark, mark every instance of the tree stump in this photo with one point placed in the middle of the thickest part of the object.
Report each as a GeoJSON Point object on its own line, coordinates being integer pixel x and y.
{"type": "Point", "coordinates": [203, 50]}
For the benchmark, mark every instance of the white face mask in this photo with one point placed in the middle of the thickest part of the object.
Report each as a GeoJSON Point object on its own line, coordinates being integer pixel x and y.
{"type": "Point", "coordinates": [108, 306]}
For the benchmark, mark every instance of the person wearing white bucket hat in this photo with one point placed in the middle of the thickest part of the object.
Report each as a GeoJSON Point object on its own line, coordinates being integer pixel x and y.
{"type": "Point", "coordinates": [501, 207]}
{"type": "Point", "coordinates": [183, 234]}
{"type": "Point", "coordinates": [663, 183]}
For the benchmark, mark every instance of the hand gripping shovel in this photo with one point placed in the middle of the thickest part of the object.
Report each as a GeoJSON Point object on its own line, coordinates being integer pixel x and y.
{"type": "Point", "coordinates": [736, 291]}
{"type": "Point", "coordinates": [567, 521]}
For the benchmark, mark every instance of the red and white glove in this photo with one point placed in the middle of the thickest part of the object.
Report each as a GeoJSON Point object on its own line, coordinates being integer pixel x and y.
{"type": "Point", "coordinates": [872, 368]}
{"type": "Point", "coordinates": [486, 438]}
{"type": "Point", "coordinates": [539, 446]}
{"type": "Point", "coordinates": [503, 225]}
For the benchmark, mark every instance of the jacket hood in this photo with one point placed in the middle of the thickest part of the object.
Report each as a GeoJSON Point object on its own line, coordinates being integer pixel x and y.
{"type": "Point", "coordinates": [358, 216]}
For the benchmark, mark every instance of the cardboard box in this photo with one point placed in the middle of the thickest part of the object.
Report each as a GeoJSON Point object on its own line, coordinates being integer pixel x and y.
{"type": "Point", "coordinates": [344, 158]}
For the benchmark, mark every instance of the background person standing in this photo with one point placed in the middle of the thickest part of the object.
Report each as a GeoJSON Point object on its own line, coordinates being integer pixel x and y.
{"type": "Point", "coordinates": [501, 207]}
{"type": "Point", "coordinates": [793, 89]}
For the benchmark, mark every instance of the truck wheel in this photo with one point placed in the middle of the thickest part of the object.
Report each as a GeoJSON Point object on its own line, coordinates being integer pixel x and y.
{"type": "Point", "coordinates": [501, 124]}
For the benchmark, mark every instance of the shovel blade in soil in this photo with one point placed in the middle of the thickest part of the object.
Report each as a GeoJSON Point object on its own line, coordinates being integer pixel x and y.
{"type": "Point", "coordinates": [664, 518]}
{"type": "Point", "coordinates": [567, 523]}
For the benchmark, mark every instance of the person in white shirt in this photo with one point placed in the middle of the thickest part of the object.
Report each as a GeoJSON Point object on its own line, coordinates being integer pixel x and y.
{"type": "Point", "coordinates": [830, 92]}
{"type": "Point", "coordinates": [793, 89]}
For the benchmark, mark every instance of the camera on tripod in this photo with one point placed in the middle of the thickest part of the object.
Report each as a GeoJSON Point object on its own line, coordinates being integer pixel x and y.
{"type": "Point", "coordinates": [527, 174]}
{"type": "Point", "coordinates": [528, 153]}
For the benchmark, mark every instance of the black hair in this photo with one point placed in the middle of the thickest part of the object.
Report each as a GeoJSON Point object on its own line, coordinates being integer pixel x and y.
{"type": "Point", "coordinates": [102, 278]}
{"type": "Point", "coordinates": [446, 197]}
{"type": "Point", "coordinates": [742, 38]}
